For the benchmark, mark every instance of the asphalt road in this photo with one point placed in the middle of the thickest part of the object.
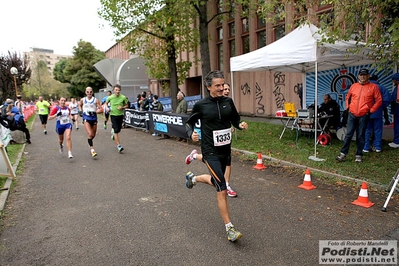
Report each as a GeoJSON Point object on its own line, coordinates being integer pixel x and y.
{"type": "Point", "coordinates": [134, 209]}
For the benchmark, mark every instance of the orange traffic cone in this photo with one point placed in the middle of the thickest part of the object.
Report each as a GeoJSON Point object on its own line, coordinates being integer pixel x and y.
{"type": "Point", "coordinates": [259, 163]}
{"type": "Point", "coordinates": [363, 199]}
{"type": "Point", "coordinates": [307, 181]}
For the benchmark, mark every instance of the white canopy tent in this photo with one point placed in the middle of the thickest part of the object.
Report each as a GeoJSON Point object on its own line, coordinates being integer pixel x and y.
{"type": "Point", "coordinates": [302, 51]}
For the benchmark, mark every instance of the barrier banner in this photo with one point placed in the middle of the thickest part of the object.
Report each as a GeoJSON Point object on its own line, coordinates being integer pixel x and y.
{"type": "Point", "coordinates": [136, 119]}
{"type": "Point", "coordinates": [168, 123]}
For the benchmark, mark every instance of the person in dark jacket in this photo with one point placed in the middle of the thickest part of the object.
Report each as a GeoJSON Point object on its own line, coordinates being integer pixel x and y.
{"type": "Point", "coordinates": [375, 124]}
{"type": "Point", "coordinates": [216, 113]}
{"type": "Point", "coordinates": [330, 107]}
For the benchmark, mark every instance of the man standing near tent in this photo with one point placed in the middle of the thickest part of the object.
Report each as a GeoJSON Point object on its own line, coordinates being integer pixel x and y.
{"type": "Point", "coordinates": [363, 99]}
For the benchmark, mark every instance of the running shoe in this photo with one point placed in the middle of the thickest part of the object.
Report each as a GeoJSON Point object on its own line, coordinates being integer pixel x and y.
{"type": "Point", "coordinates": [112, 134]}
{"type": "Point", "coordinates": [45, 132]}
{"type": "Point", "coordinates": [393, 145]}
{"type": "Point", "coordinates": [233, 234]}
{"type": "Point", "coordinates": [190, 157]}
{"type": "Point", "coordinates": [120, 148]}
{"type": "Point", "coordinates": [70, 155]}
{"type": "Point", "coordinates": [358, 159]}
{"type": "Point", "coordinates": [93, 153]}
{"type": "Point", "coordinates": [341, 157]}
{"type": "Point", "coordinates": [77, 128]}
{"type": "Point", "coordinates": [189, 180]}
{"type": "Point", "coordinates": [105, 126]}
{"type": "Point", "coordinates": [231, 193]}
{"type": "Point", "coordinates": [61, 149]}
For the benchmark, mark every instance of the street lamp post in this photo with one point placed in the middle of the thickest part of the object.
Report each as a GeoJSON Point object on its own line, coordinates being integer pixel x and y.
{"type": "Point", "coordinates": [14, 72]}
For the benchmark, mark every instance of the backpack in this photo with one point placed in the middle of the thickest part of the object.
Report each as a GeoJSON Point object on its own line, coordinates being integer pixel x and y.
{"type": "Point", "coordinates": [145, 105]}
{"type": "Point", "coordinates": [160, 106]}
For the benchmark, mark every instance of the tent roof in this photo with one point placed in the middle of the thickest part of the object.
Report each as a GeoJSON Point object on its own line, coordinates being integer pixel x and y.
{"type": "Point", "coordinates": [298, 51]}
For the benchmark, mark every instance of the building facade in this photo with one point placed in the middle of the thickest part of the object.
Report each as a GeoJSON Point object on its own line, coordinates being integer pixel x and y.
{"type": "Point", "coordinates": [45, 55]}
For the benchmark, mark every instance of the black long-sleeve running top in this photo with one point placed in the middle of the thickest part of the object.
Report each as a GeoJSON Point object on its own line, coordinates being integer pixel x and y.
{"type": "Point", "coordinates": [216, 116]}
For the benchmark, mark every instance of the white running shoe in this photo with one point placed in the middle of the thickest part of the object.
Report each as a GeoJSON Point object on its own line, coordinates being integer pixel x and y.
{"type": "Point", "coordinates": [393, 145]}
{"type": "Point", "coordinates": [190, 157]}
{"type": "Point", "coordinates": [70, 155]}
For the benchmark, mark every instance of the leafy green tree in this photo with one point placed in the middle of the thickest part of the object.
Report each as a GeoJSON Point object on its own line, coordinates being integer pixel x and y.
{"type": "Point", "coordinates": [78, 71]}
{"type": "Point", "coordinates": [158, 31]}
{"type": "Point", "coordinates": [42, 83]}
{"type": "Point", "coordinates": [7, 84]}
{"type": "Point", "coordinates": [375, 22]}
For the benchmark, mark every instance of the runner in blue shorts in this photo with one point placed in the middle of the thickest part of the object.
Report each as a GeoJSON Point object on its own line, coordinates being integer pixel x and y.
{"type": "Point", "coordinates": [63, 126]}
{"type": "Point", "coordinates": [89, 107]}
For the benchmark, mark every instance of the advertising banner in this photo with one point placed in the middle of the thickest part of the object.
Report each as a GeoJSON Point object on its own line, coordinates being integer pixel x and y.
{"type": "Point", "coordinates": [136, 119]}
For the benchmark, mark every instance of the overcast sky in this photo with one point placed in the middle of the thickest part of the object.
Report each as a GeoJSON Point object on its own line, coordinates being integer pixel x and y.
{"type": "Point", "coordinates": [52, 24]}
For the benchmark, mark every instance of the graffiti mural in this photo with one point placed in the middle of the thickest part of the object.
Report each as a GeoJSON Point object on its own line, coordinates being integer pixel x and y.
{"type": "Point", "coordinates": [245, 89]}
{"type": "Point", "coordinates": [260, 107]}
{"type": "Point", "coordinates": [279, 83]}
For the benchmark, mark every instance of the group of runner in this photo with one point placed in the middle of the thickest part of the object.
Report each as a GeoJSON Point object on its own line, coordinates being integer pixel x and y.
{"type": "Point", "coordinates": [88, 108]}
{"type": "Point", "coordinates": [216, 112]}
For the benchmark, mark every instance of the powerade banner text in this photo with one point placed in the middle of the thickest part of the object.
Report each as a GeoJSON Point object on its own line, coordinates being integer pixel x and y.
{"type": "Point", "coordinates": [168, 123]}
{"type": "Point", "coordinates": [161, 122]}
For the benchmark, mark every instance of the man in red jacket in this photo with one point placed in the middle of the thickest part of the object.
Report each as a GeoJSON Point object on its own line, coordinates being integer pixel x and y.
{"type": "Point", "coordinates": [363, 99]}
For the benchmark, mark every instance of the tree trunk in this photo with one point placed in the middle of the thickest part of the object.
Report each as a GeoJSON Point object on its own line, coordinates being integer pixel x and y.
{"type": "Point", "coordinates": [172, 70]}
{"type": "Point", "coordinates": [204, 43]}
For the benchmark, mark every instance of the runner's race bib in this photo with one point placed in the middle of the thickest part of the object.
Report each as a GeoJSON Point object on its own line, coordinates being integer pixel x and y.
{"type": "Point", "coordinates": [64, 120]}
{"type": "Point", "coordinates": [222, 137]}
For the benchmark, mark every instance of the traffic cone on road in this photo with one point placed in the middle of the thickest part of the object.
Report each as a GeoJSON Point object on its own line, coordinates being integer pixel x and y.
{"type": "Point", "coordinates": [363, 199]}
{"type": "Point", "coordinates": [259, 163]}
{"type": "Point", "coordinates": [307, 181]}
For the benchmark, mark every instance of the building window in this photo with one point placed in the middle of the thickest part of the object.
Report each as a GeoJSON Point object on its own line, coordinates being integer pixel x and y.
{"type": "Point", "coordinates": [220, 11]}
{"type": "Point", "coordinates": [232, 9]}
{"type": "Point", "coordinates": [232, 29]}
{"type": "Point", "coordinates": [220, 33]}
{"type": "Point", "coordinates": [232, 47]}
{"type": "Point", "coordinates": [245, 25]}
{"type": "Point", "coordinates": [261, 23]}
{"type": "Point", "coordinates": [220, 56]}
{"type": "Point", "coordinates": [279, 32]}
{"type": "Point", "coordinates": [261, 36]}
{"type": "Point", "coordinates": [245, 44]}
{"type": "Point", "coordinates": [261, 32]}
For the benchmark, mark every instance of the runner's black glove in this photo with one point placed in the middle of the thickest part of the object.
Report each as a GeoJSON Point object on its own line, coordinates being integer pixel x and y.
{"type": "Point", "coordinates": [80, 113]}
{"type": "Point", "coordinates": [59, 113]}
